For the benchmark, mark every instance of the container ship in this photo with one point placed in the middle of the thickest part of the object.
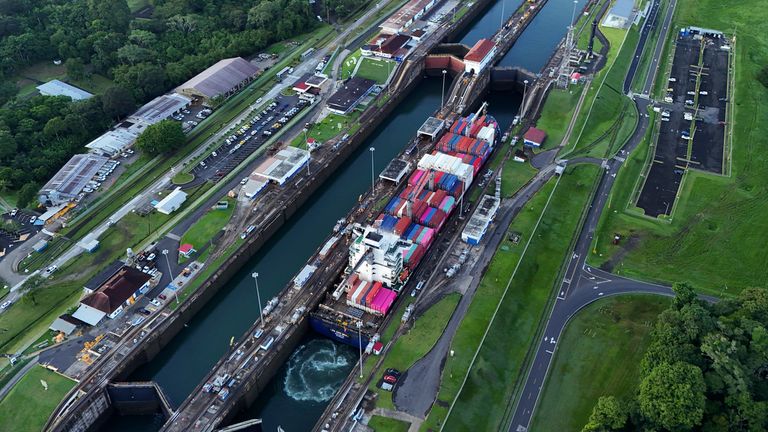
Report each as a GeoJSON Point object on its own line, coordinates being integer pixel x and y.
{"type": "Point", "coordinates": [384, 254]}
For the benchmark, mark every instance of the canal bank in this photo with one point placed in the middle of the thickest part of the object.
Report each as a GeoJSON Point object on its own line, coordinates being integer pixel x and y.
{"type": "Point", "coordinates": [187, 358]}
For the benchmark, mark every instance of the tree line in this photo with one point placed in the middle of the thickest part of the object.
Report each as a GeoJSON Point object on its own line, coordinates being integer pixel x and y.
{"type": "Point", "coordinates": [143, 56]}
{"type": "Point", "coordinates": [706, 369]}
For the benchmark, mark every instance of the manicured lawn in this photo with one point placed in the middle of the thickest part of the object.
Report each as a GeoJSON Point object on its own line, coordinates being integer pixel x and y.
{"type": "Point", "coordinates": [486, 395]}
{"type": "Point", "coordinates": [331, 126]}
{"type": "Point", "coordinates": [208, 226]}
{"type": "Point", "coordinates": [714, 240]}
{"type": "Point", "coordinates": [514, 175]}
{"type": "Point", "coordinates": [375, 69]}
{"type": "Point", "coordinates": [28, 405]}
{"type": "Point", "coordinates": [417, 342]}
{"type": "Point", "coordinates": [386, 424]}
{"type": "Point", "coordinates": [349, 64]}
{"type": "Point", "coordinates": [557, 113]}
{"type": "Point", "coordinates": [183, 178]}
{"type": "Point", "coordinates": [598, 355]}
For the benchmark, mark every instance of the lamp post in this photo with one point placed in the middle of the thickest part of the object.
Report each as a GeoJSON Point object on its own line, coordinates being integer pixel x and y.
{"type": "Point", "coordinates": [442, 94]}
{"type": "Point", "coordinates": [360, 345]}
{"type": "Point", "coordinates": [522, 105]}
{"type": "Point", "coordinates": [373, 179]}
{"type": "Point", "coordinates": [168, 263]}
{"type": "Point", "coordinates": [501, 25]}
{"type": "Point", "coordinates": [255, 276]}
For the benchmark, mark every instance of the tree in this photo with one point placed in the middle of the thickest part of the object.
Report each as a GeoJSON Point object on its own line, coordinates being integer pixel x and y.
{"type": "Point", "coordinates": [684, 294]}
{"type": "Point", "coordinates": [75, 68]}
{"type": "Point", "coordinates": [672, 396]}
{"type": "Point", "coordinates": [27, 194]}
{"type": "Point", "coordinates": [607, 415]}
{"type": "Point", "coordinates": [161, 137]}
{"type": "Point", "coordinates": [117, 102]}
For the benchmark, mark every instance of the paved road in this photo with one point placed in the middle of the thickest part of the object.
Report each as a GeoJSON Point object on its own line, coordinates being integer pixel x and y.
{"type": "Point", "coordinates": [418, 388]}
{"type": "Point", "coordinates": [583, 284]}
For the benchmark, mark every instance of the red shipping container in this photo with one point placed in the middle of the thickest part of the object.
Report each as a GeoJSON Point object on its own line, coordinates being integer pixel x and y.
{"type": "Point", "coordinates": [372, 293]}
{"type": "Point", "coordinates": [402, 225]}
{"type": "Point", "coordinates": [406, 192]}
{"type": "Point", "coordinates": [418, 208]}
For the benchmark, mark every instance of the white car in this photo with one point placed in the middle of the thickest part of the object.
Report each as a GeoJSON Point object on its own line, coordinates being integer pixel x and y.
{"type": "Point", "coordinates": [244, 181]}
{"type": "Point", "coordinates": [151, 257]}
{"type": "Point", "coordinates": [156, 302]}
{"type": "Point", "coordinates": [5, 304]}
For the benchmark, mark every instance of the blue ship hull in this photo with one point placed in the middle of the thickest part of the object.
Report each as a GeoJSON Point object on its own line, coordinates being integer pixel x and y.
{"type": "Point", "coordinates": [345, 335]}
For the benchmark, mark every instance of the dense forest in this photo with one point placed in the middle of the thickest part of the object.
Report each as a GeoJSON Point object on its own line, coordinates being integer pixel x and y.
{"type": "Point", "coordinates": [706, 369]}
{"type": "Point", "coordinates": [144, 56]}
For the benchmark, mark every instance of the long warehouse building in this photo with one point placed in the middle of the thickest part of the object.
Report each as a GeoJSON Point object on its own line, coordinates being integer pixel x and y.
{"type": "Point", "coordinates": [71, 179]}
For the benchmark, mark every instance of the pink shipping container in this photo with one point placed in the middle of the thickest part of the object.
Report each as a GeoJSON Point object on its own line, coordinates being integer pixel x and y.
{"type": "Point", "coordinates": [415, 177]}
{"type": "Point", "coordinates": [383, 300]}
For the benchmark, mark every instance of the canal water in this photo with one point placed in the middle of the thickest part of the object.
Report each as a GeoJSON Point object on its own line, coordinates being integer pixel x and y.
{"type": "Point", "coordinates": [298, 394]}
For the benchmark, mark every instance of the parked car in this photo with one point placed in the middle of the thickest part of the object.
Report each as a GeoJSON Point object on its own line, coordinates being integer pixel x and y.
{"type": "Point", "coordinates": [5, 304]}
{"type": "Point", "coordinates": [144, 311]}
{"type": "Point", "coordinates": [162, 297]}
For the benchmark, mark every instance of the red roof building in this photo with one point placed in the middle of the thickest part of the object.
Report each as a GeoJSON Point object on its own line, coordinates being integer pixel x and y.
{"type": "Point", "coordinates": [186, 249]}
{"type": "Point", "coordinates": [534, 137]}
{"type": "Point", "coordinates": [479, 56]}
{"type": "Point", "coordinates": [120, 290]}
{"type": "Point", "coordinates": [377, 347]}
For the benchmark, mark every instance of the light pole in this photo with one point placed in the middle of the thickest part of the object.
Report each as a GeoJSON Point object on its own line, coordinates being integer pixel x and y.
{"type": "Point", "coordinates": [522, 106]}
{"type": "Point", "coordinates": [501, 25]}
{"type": "Point", "coordinates": [442, 94]}
{"type": "Point", "coordinates": [360, 345]}
{"type": "Point", "coordinates": [573, 13]}
{"type": "Point", "coordinates": [168, 262]}
{"type": "Point", "coordinates": [255, 276]}
{"type": "Point", "coordinates": [373, 179]}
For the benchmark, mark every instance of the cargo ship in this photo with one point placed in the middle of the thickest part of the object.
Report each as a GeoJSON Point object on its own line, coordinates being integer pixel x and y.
{"type": "Point", "coordinates": [385, 253]}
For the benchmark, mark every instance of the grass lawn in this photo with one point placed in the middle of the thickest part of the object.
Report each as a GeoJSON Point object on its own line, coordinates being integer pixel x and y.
{"type": "Point", "coordinates": [208, 225]}
{"type": "Point", "coordinates": [386, 424]}
{"type": "Point", "coordinates": [514, 175]}
{"type": "Point", "coordinates": [612, 331]}
{"type": "Point", "coordinates": [417, 342]}
{"type": "Point", "coordinates": [557, 113]}
{"type": "Point", "coordinates": [487, 393]}
{"type": "Point", "coordinates": [28, 405]}
{"type": "Point", "coordinates": [329, 127]}
{"type": "Point", "coordinates": [721, 215]}
{"type": "Point", "coordinates": [45, 71]}
{"type": "Point", "coordinates": [349, 64]}
{"type": "Point", "coordinates": [375, 69]}
{"type": "Point", "coordinates": [183, 178]}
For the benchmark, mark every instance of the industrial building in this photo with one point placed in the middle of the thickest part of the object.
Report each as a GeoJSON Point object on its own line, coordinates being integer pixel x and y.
{"type": "Point", "coordinates": [406, 16]}
{"type": "Point", "coordinates": [481, 219]}
{"type": "Point", "coordinates": [161, 108]}
{"type": "Point", "coordinates": [171, 202]}
{"type": "Point", "coordinates": [534, 137]}
{"type": "Point", "coordinates": [350, 95]}
{"type": "Point", "coordinates": [60, 88]}
{"type": "Point", "coordinates": [71, 179]}
{"type": "Point", "coordinates": [620, 15]}
{"type": "Point", "coordinates": [118, 291]}
{"type": "Point", "coordinates": [387, 46]}
{"type": "Point", "coordinates": [479, 56]}
{"type": "Point", "coordinates": [66, 324]}
{"type": "Point", "coordinates": [224, 78]}
{"type": "Point", "coordinates": [253, 186]}
{"type": "Point", "coordinates": [280, 167]}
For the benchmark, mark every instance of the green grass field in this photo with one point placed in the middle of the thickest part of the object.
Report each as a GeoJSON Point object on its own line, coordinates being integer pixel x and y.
{"type": "Point", "coordinates": [28, 405]}
{"type": "Point", "coordinates": [208, 226]}
{"type": "Point", "coordinates": [329, 127]}
{"type": "Point", "coordinates": [598, 354]}
{"type": "Point", "coordinates": [349, 64]}
{"type": "Point", "coordinates": [557, 112]}
{"type": "Point", "coordinates": [483, 401]}
{"type": "Point", "coordinates": [514, 175]}
{"type": "Point", "coordinates": [386, 424]}
{"type": "Point", "coordinates": [719, 215]}
{"type": "Point", "coordinates": [375, 69]}
{"type": "Point", "coordinates": [417, 342]}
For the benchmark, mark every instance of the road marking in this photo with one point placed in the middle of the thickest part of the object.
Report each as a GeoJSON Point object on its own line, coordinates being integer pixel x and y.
{"type": "Point", "coordinates": [548, 352]}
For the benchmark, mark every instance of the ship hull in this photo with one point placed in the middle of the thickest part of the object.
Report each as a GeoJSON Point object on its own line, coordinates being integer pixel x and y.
{"type": "Point", "coordinates": [345, 335]}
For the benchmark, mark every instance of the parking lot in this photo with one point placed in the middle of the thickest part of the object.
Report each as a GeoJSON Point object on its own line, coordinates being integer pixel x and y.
{"type": "Point", "coordinates": [692, 120]}
{"type": "Point", "coordinates": [251, 134]}
{"type": "Point", "coordinates": [17, 227]}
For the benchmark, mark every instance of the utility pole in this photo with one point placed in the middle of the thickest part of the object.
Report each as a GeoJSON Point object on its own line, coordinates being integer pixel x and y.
{"type": "Point", "coordinates": [373, 179]}
{"type": "Point", "coordinates": [255, 276]}
{"type": "Point", "coordinates": [360, 345]}
{"type": "Point", "coordinates": [522, 105]}
{"type": "Point", "coordinates": [442, 94]}
{"type": "Point", "coordinates": [170, 275]}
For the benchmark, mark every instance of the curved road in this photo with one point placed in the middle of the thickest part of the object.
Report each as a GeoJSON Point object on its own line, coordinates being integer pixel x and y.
{"type": "Point", "coordinates": [583, 284]}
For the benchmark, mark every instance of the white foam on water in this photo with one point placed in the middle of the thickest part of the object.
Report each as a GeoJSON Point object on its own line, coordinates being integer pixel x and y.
{"type": "Point", "coordinates": [316, 370]}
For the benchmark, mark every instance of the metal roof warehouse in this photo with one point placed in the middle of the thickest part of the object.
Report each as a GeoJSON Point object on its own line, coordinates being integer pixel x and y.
{"type": "Point", "coordinates": [223, 78]}
{"type": "Point", "coordinates": [71, 178]}
{"type": "Point", "coordinates": [161, 107]}
{"type": "Point", "coordinates": [60, 88]}
{"type": "Point", "coordinates": [280, 167]}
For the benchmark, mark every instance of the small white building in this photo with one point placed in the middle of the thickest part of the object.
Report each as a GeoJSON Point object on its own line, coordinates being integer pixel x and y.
{"type": "Point", "coordinates": [171, 202]}
{"type": "Point", "coordinates": [479, 56]}
{"type": "Point", "coordinates": [60, 88]}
